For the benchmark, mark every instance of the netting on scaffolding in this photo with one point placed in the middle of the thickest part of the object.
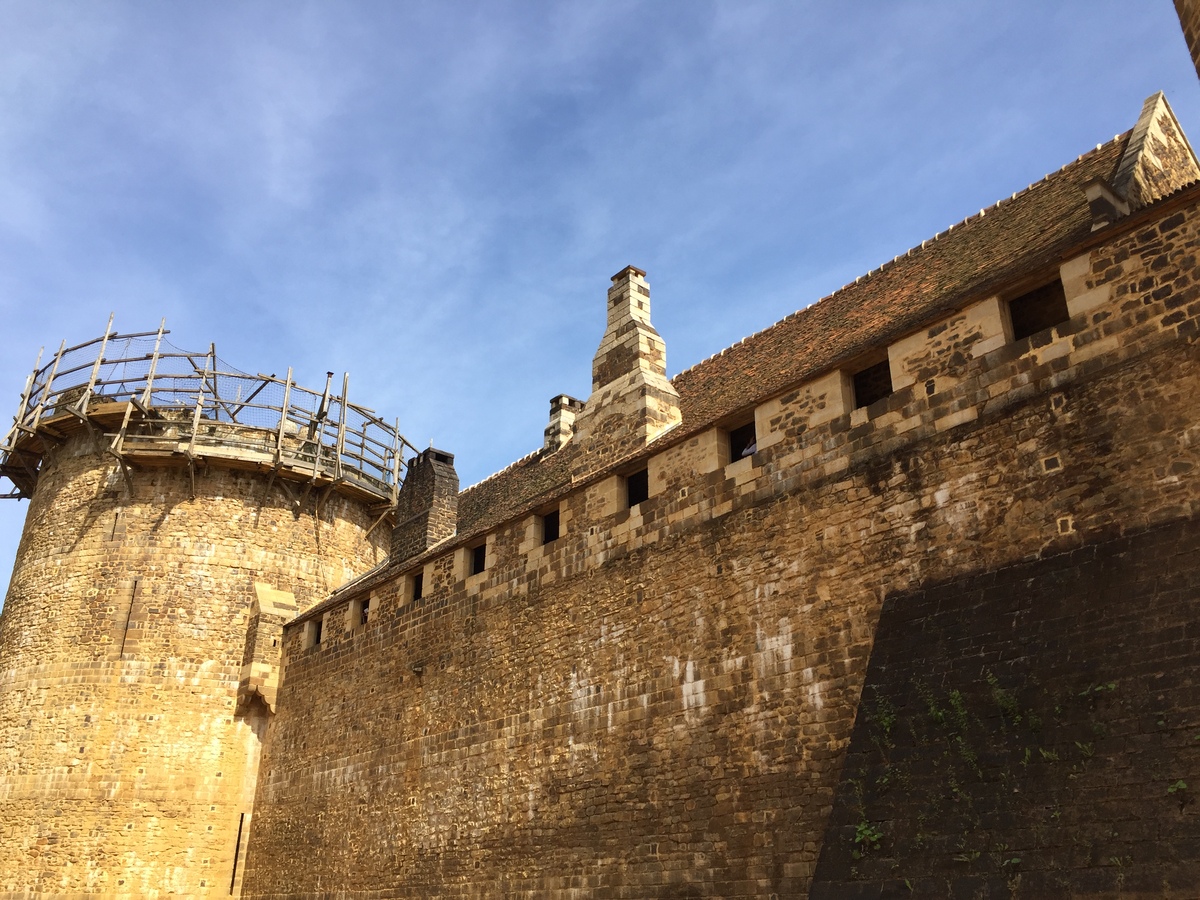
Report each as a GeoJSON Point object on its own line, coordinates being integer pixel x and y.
{"type": "Point", "coordinates": [201, 399]}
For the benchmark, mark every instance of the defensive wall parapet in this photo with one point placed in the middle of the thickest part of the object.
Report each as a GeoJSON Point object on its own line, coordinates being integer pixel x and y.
{"type": "Point", "coordinates": [962, 368]}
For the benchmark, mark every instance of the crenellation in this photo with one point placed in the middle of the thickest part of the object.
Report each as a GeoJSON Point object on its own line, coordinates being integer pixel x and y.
{"type": "Point", "coordinates": [1025, 365]}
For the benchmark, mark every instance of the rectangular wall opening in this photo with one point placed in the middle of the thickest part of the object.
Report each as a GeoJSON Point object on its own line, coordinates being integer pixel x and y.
{"type": "Point", "coordinates": [872, 383]}
{"type": "Point", "coordinates": [312, 632]}
{"type": "Point", "coordinates": [360, 612]}
{"type": "Point", "coordinates": [743, 441]}
{"type": "Point", "coordinates": [478, 558]}
{"type": "Point", "coordinates": [637, 487]}
{"type": "Point", "coordinates": [550, 527]}
{"type": "Point", "coordinates": [1037, 310]}
{"type": "Point", "coordinates": [418, 586]}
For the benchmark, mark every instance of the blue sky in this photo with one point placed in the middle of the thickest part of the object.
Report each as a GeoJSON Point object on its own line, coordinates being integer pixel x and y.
{"type": "Point", "coordinates": [432, 196]}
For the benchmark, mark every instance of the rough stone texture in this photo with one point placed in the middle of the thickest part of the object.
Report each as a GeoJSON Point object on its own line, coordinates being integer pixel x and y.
{"type": "Point", "coordinates": [658, 704]}
{"type": "Point", "coordinates": [1157, 159]}
{"type": "Point", "coordinates": [1189, 19]}
{"type": "Point", "coordinates": [427, 508]}
{"type": "Point", "coordinates": [126, 765]}
{"type": "Point", "coordinates": [632, 402]}
{"type": "Point", "coordinates": [1030, 731]}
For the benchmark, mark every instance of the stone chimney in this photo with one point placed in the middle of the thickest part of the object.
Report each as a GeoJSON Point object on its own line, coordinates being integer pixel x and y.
{"type": "Point", "coordinates": [1105, 204]}
{"type": "Point", "coordinates": [563, 410]}
{"type": "Point", "coordinates": [630, 343]}
{"type": "Point", "coordinates": [427, 508]}
{"type": "Point", "coordinates": [632, 401]}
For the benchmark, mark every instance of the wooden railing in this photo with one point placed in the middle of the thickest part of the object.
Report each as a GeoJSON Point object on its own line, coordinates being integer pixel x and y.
{"type": "Point", "coordinates": [142, 393]}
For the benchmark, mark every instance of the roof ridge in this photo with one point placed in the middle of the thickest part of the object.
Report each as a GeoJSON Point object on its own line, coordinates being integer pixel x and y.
{"type": "Point", "coordinates": [512, 465]}
{"type": "Point", "coordinates": [354, 582]}
{"type": "Point", "coordinates": [974, 217]}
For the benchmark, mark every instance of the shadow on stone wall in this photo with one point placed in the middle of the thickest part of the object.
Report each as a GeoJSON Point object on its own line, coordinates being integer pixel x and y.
{"type": "Point", "coordinates": [1032, 732]}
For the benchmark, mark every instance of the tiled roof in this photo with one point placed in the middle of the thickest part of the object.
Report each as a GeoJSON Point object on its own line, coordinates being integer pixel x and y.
{"type": "Point", "coordinates": [987, 251]}
{"type": "Point", "coordinates": [1019, 236]}
{"type": "Point", "coordinates": [992, 248]}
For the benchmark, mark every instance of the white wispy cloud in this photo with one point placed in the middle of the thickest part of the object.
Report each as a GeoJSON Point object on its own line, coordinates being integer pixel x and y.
{"type": "Point", "coordinates": [432, 196]}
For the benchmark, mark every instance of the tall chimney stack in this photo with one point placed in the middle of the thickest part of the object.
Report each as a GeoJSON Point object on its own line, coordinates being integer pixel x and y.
{"type": "Point", "coordinates": [427, 508]}
{"type": "Point", "coordinates": [632, 401]}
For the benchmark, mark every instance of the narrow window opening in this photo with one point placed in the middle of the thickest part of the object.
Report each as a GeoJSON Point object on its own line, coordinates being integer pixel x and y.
{"type": "Point", "coordinates": [364, 610]}
{"type": "Point", "coordinates": [312, 632]}
{"type": "Point", "coordinates": [478, 559]}
{"type": "Point", "coordinates": [318, 630]}
{"type": "Point", "coordinates": [637, 487]}
{"type": "Point", "coordinates": [872, 383]}
{"type": "Point", "coordinates": [743, 442]}
{"type": "Point", "coordinates": [418, 586]}
{"type": "Point", "coordinates": [550, 527]}
{"type": "Point", "coordinates": [1038, 310]}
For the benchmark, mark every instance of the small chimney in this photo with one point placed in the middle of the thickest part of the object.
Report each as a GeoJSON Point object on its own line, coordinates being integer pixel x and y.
{"type": "Point", "coordinates": [563, 410]}
{"type": "Point", "coordinates": [1104, 203]}
{"type": "Point", "coordinates": [427, 508]}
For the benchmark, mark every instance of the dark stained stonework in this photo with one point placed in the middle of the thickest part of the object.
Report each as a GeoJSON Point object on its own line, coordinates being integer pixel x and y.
{"type": "Point", "coordinates": [1189, 19]}
{"type": "Point", "coordinates": [427, 507]}
{"type": "Point", "coordinates": [1031, 731]}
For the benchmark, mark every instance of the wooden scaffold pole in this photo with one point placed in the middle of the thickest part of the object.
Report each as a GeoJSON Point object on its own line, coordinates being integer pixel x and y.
{"type": "Point", "coordinates": [41, 407]}
{"type": "Point", "coordinates": [80, 409]}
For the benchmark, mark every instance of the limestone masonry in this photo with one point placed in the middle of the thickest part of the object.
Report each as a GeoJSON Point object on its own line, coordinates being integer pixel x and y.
{"type": "Point", "coordinates": [896, 597]}
{"type": "Point", "coordinates": [167, 542]}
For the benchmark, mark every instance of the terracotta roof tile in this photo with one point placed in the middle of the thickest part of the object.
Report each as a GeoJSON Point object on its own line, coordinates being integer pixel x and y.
{"type": "Point", "coordinates": [537, 476]}
{"type": "Point", "coordinates": [989, 250]}
{"type": "Point", "coordinates": [984, 252]}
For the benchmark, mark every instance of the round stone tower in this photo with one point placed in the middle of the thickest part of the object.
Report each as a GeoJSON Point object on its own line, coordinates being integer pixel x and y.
{"type": "Point", "coordinates": [179, 514]}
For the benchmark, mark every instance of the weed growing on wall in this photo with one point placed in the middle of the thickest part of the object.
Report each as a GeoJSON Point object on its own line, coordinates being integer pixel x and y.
{"type": "Point", "coordinates": [955, 760]}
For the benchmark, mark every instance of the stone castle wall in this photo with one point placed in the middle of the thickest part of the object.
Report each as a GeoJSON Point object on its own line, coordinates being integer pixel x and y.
{"type": "Point", "coordinates": [126, 766]}
{"type": "Point", "coordinates": [1189, 19]}
{"type": "Point", "coordinates": [1039, 740]}
{"type": "Point", "coordinates": [658, 703]}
